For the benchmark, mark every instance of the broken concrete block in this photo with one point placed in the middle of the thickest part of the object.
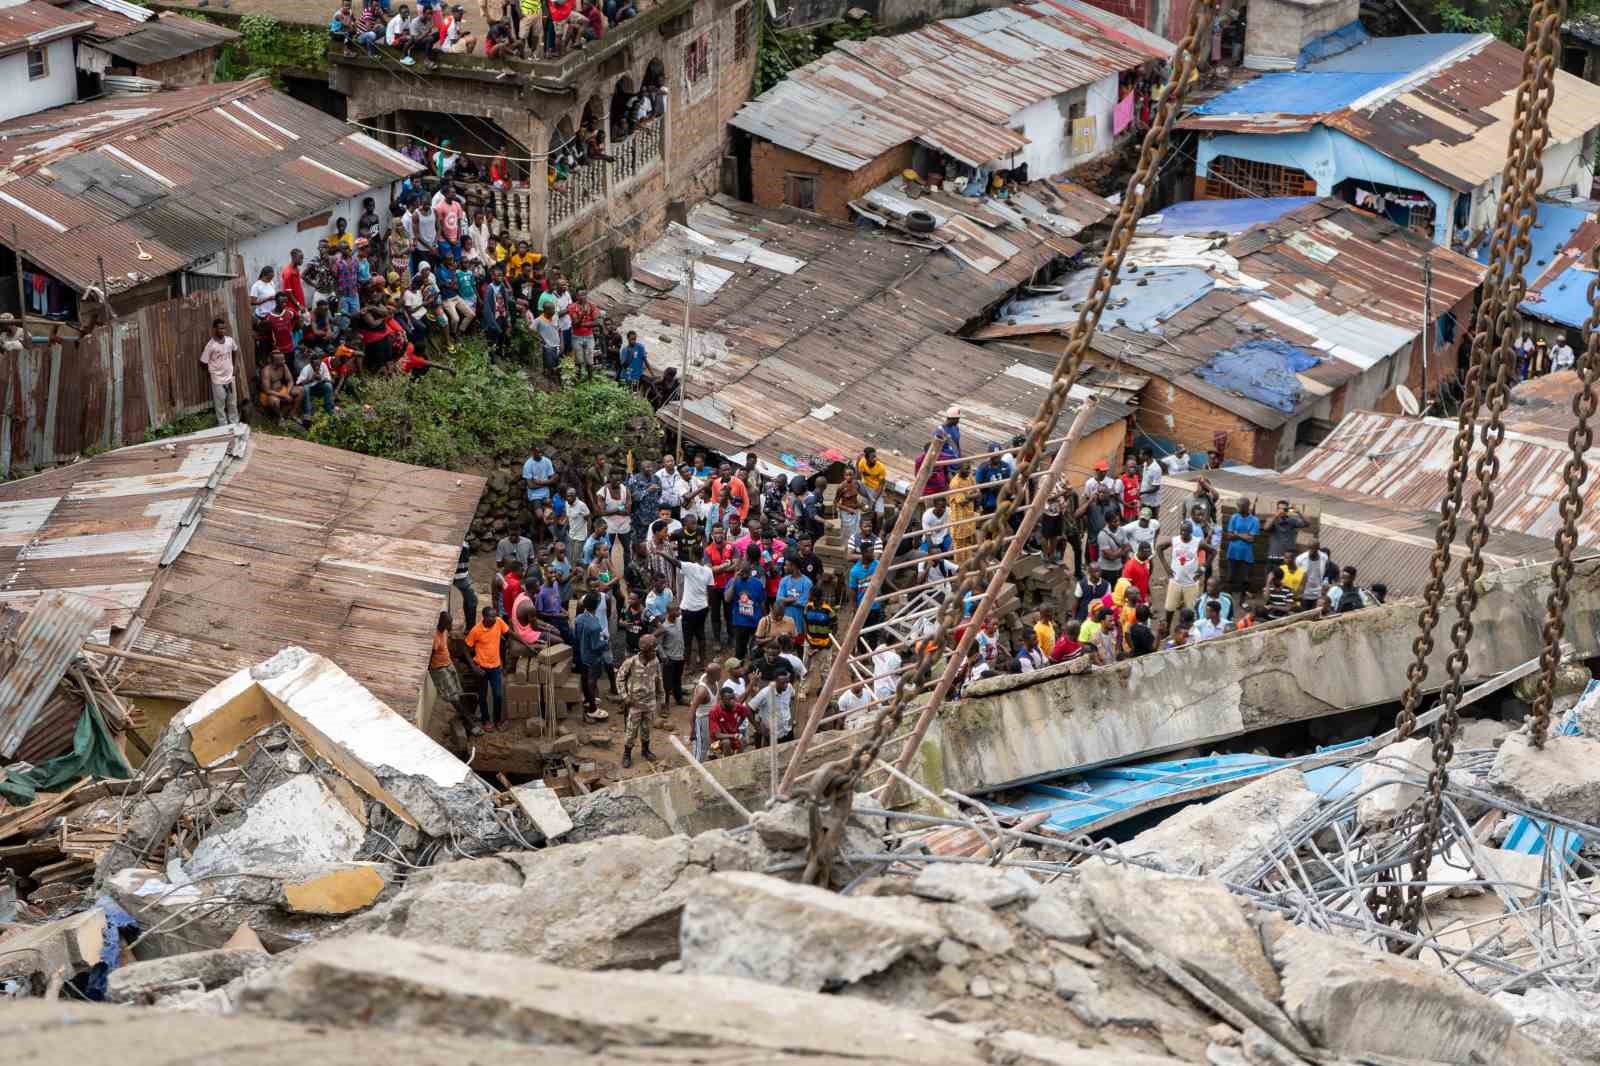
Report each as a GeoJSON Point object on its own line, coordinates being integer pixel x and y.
{"type": "Point", "coordinates": [603, 904]}
{"type": "Point", "coordinates": [1357, 1003]}
{"type": "Point", "coordinates": [1211, 837]}
{"type": "Point", "coordinates": [63, 948]}
{"type": "Point", "coordinates": [342, 889]}
{"type": "Point", "coordinates": [784, 827]}
{"type": "Point", "coordinates": [1478, 733]}
{"type": "Point", "coordinates": [610, 813]}
{"type": "Point", "coordinates": [143, 982]}
{"type": "Point", "coordinates": [986, 886]}
{"type": "Point", "coordinates": [392, 984]}
{"type": "Point", "coordinates": [1055, 916]}
{"type": "Point", "coordinates": [1397, 775]}
{"type": "Point", "coordinates": [1562, 779]}
{"type": "Point", "coordinates": [387, 757]}
{"type": "Point", "coordinates": [976, 926]}
{"type": "Point", "coordinates": [1029, 1049]}
{"type": "Point", "coordinates": [759, 927]}
{"type": "Point", "coordinates": [299, 822]}
{"type": "Point", "coordinates": [1195, 922]}
{"type": "Point", "coordinates": [543, 808]}
{"type": "Point", "coordinates": [1564, 1021]}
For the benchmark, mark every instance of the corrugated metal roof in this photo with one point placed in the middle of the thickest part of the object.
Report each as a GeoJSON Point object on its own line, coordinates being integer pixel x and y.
{"type": "Point", "coordinates": [1404, 461]}
{"type": "Point", "coordinates": [1542, 406]}
{"type": "Point", "coordinates": [1325, 277]}
{"type": "Point", "coordinates": [46, 644]}
{"type": "Point", "coordinates": [168, 37]}
{"type": "Point", "coordinates": [849, 344]}
{"type": "Point", "coordinates": [951, 85]}
{"type": "Point", "coordinates": [1557, 274]}
{"type": "Point", "coordinates": [157, 182]}
{"type": "Point", "coordinates": [35, 22]}
{"type": "Point", "coordinates": [1444, 111]}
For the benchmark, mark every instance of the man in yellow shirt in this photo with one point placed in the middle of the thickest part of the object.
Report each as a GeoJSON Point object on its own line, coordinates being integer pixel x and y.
{"type": "Point", "coordinates": [1294, 575]}
{"type": "Point", "coordinates": [484, 641]}
{"type": "Point", "coordinates": [872, 476]}
{"type": "Point", "coordinates": [1045, 628]}
{"type": "Point", "coordinates": [342, 236]}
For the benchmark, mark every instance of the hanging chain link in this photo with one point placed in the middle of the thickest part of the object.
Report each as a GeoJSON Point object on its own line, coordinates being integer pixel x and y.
{"type": "Point", "coordinates": [1574, 474]}
{"type": "Point", "coordinates": [1493, 356]}
{"type": "Point", "coordinates": [833, 788]}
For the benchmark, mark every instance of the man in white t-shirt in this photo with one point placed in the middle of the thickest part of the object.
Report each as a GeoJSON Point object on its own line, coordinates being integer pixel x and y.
{"type": "Point", "coordinates": [1177, 462]}
{"type": "Point", "coordinates": [886, 673]}
{"type": "Point", "coordinates": [263, 294]}
{"type": "Point", "coordinates": [1563, 358]}
{"type": "Point", "coordinates": [1314, 561]}
{"type": "Point", "coordinates": [1150, 484]}
{"type": "Point", "coordinates": [852, 701]}
{"type": "Point", "coordinates": [1102, 479]}
{"type": "Point", "coordinates": [695, 601]}
{"type": "Point", "coordinates": [1183, 569]}
{"type": "Point", "coordinates": [217, 356]}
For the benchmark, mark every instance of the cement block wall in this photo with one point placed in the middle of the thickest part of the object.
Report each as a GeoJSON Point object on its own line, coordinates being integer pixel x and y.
{"type": "Point", "coordinates": [1278, 29]}
{"type": "Point", "coordinates": [1016, 729]}
{"type": "Point", "coordinates": [770, 167]}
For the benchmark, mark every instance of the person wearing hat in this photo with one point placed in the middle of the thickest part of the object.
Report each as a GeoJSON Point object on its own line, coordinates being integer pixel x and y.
{"type": "Point", "coordinates": [1102, 481]}
{"type": "Point", "coordinates": [643, 694]}
{"type": "Point", "coordinates": [952, 429]}
{"type": "Point", "coordinates": [14, 338]}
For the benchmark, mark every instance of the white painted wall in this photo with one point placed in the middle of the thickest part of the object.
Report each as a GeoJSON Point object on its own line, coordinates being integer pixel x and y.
{"type": "Point", "coordinates": [1564, 164]}
{"type": "Point", "coordinates": [272, 247]}
{"type": "Point", "coordinates": [19, 96]}
{"type": "Point", "coordinates": [1049, 130]}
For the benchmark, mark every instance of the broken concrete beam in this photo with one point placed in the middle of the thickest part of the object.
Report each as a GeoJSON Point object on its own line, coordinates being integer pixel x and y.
{"type": "Point", "coordinates": [975, 883]}
{"type": "Point", "coordinates": [544, 810]}
{"type": "Point", "coordinates": [783, 827]}
{"type": "Point", "coordinates": [392, 984]}
{"type": "Point", "coordinates": [63, 948]}
{"type": "Point", "coordinates": [143, 982]}
{"type": "Point", "coordinates": [1205, 838]}
{"type": "Point", "coordinates": [1563, 778]}
{"type": "Point", "coordinates": [753, 926]}
{"type": "Point", "coordinates": [301, 821]}
{"type": "Point", "coordinates": [1362, 1004]}
{"type": "Point", "coordinates": [386, 756]}
{"type": "Point", "coordinates": [1015, 728]}
{"type": "Point", "coordinates": [342, 889]}
{"type": "Point", "coordinates": [1397, 776]}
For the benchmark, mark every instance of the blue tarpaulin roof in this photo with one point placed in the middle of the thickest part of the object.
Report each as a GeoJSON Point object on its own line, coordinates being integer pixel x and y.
{"type": "Point", "coordinates": [1565, 298]}
{"type": "Point", "coordinates": [1260, 370]}
{"type": "Point", "coordinates": [1220, 216]}
{"type": "Point", "coordinates": [1338, 80]}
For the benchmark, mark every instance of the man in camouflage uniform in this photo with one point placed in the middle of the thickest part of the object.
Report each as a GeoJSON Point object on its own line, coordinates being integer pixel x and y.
{"type": "Point", "coordinates": [643, 693]}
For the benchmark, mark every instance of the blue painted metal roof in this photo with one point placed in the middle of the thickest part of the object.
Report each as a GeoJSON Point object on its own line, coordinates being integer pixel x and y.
{"type": "Point", "coordinates": [1219, 216]}
{"type": "Point", "coordinates": [1393, 55]}
{"type": "Point", "coordinates": [1107, 796]}
{"type": "Point", "coordinates": [1260, 370]}
{"type": "Point", "coordinates": [1168, 291]}
{"type": "Point", "coordinates": [1564, 298]}
{"type": "Point", "coordinates": [1346, 37]}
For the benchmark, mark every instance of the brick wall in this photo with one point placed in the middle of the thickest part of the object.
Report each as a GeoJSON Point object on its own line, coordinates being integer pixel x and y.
{"type": "Point", "coordinates": [770, 167]}
{"type": "Point", "coordinates": [198, 68]}
{"type": "Point", "coordinates": [1136, 11]}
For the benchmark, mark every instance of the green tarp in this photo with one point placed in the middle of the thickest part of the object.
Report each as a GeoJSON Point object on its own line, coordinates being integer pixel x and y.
{"type": "Point", "coordinates": [94, 754]}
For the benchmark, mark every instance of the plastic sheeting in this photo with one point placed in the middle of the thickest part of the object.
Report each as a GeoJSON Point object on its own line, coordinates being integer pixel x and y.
{"type": "Point", "coordinates": [93, 754]}
{"type": "Point", "coordinates": [1265, 371]}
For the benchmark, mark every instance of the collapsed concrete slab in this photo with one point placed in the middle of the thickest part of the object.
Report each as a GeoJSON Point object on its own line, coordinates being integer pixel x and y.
{"type": "Point", "coordinates": [416, 779]}
{"type": "Point", "coordinates": [1396, 776]}
{"type": "Point", "coordinates": [1017, 728]}
{"type": "Point", "coordinates": [145, 982]}
{"type": "Point", "coordinates": [1205, 838]}
{"type": "Point", "coordinates": [392, 984]}
{"type": "Point", "coordinates": [300, 821]}
{"type": "Point", "coordinates": [765, 929]}
{"type": "Point", "coordinates": [1562, 778]}
{"type": "Point", "coordinates": [58, 950]}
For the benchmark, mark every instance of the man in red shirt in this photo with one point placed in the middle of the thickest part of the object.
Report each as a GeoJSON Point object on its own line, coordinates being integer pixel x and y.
{"type": "Point", "coordinates": [291, 281]}
{"type": "Point", "coordinates": [511, 586]}
{"type": "Point", "coordinates": [1068, 646]}
{"type": "Point", "coordinates": [723, 559]}
{"type": "Point", "coordinates": [728, 714]}
{"type": "Point", "coordinates": [280, 324]}
{"type": "Point", "coordinates": [1137, 570]}
{"type": "Point", "coordinates": [584, 315]}
{"type": "Point", "coordinates": [1131, 483]}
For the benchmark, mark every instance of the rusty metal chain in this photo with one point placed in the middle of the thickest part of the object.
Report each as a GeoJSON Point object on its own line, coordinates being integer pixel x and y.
{"type": "Point", "coordinates": [1574, 474]}
{"type": "Point", "coordinates": [833, 788]}
{"type": "Point", "coordinates": [1492, 345]}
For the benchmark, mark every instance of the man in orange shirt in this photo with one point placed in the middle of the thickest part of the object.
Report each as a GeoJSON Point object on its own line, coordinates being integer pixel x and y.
{"type": "Point", "coordinates": [484, 640]}
{"type": "Point", "coordinates": [737, 490]}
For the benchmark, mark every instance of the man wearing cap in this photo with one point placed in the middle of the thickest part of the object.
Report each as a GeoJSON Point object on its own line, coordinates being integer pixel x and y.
{"type": "Point", "coordinates": [952, 429]}
{"type": "Point", "coordinates": [644, 694]}
{"type": "Point", "coordinates": [1102, 481]}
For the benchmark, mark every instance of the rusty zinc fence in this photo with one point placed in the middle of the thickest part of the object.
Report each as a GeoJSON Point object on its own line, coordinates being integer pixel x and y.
{"type": "Point", "coordinates": [109, 388]}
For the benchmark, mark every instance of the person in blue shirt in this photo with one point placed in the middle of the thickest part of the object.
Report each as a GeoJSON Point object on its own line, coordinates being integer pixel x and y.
{"type": "Point", "coordinates": [540, 474]}
{"type": "Point", "coordinates": [794, 592]}
{"type": "Point", "coordinates": [861, 576]}
{"type": "Point", "coordinates": [658, 600]}
{"type": "Point", "coordinates": [630, 363]}
{"type": "Point", "coordinates": [747, 595]}
{"type": "Point", "coordinates": [1241, 548]}
{"type": "Point", "coordinates": [990, 474]}
{"type": "Point", "coordinates": [702, 467]}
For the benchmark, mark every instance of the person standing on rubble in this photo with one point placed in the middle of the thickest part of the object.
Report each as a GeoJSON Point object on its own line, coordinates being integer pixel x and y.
{"type": "Point", "coordinates": [485, 640]}
{"type": "Point", "coordinates": [442, 670]}
{"type": "Point", "coordinates": [644, 695]}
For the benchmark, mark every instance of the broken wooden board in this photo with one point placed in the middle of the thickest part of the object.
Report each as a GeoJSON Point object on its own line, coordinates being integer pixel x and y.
{"type": "Point", "coordinates": [337, 890]}
{"type": "Point", "coordinates": [543, 809]}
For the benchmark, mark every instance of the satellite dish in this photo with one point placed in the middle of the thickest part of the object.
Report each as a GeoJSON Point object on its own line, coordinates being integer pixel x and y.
{"type": "Point", "coordinates": [1408, 401]}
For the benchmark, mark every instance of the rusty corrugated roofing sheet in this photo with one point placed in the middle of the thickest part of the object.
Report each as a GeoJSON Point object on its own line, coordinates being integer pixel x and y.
{"type": "Point", "coordinates": [47, 642]}
{"type": "Point", "coordinates": [848, 344]}
{"type": "Point", "coordinates": [952, 85]}
{"type": "Point", "coordinates": [157, 182]}
{"type": "Point", "coordinates": [35, 22]}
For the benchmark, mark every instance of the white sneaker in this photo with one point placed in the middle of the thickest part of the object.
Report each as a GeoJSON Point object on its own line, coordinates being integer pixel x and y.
{"type": "Point", "coordinates": [407, 61]}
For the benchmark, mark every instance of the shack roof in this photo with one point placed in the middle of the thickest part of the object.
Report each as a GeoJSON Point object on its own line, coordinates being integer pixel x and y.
{"type": "Point", "coordinates": [1559, 269]}
{"type": "Point", "coordinates": [156, 183]}
{"type": "Point", "coordinates": [1266, 322]}
{"type": "Point", "coordinates": [260, 541]}
{"type": "Point", "coordinates": [1439, 104]}
{"type": "Point", "coordinates": [811, 337]}
{"type": "Point", "coordinates": [952, 85]}
{"type": "Point", "coordinates": [34, 23]}
{"type": "Point", "coordinates": [154, 38]}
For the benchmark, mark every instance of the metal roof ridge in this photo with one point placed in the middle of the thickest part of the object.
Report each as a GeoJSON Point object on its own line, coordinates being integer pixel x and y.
{"type": "Point", "coordinates": [1382, 95]}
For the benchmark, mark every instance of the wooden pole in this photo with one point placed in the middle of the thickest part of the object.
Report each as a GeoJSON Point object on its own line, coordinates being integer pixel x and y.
{"type": "Point", "coordinates": [157, 660]}
{"type": "Point", "coordinates": [22, 294]}
{"type": "Point", "coordinates": [683, 369]}
{"type": "Point", "coordinates": [858, 618]}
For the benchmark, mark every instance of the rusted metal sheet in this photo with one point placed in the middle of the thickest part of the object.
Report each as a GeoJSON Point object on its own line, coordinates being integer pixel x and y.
{"type": "Point", "coordinates": [34, 23]}
{"type": "Point", "coordinates": [49, 639]}
{"type": "Point", "coordinates": [953, 85]}
{"type": "Point", "coordinates": [153, 184]}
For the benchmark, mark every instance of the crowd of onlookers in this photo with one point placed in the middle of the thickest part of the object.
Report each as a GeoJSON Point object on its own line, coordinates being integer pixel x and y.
{"type": "Point", "coordinates": [528, 29]}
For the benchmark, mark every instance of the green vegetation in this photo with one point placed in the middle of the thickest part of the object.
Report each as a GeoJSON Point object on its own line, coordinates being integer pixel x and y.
{"type": "Point", "coordinates": [484, 411]}
{"type": "Point", "coordinates": [781, 51]}
{"type": "Point", "coordinates": [1505, 19]}
{"type": "Point", "coordinates": [268, 47]}
{"type": "Point", "coordinates": [192, 423]}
